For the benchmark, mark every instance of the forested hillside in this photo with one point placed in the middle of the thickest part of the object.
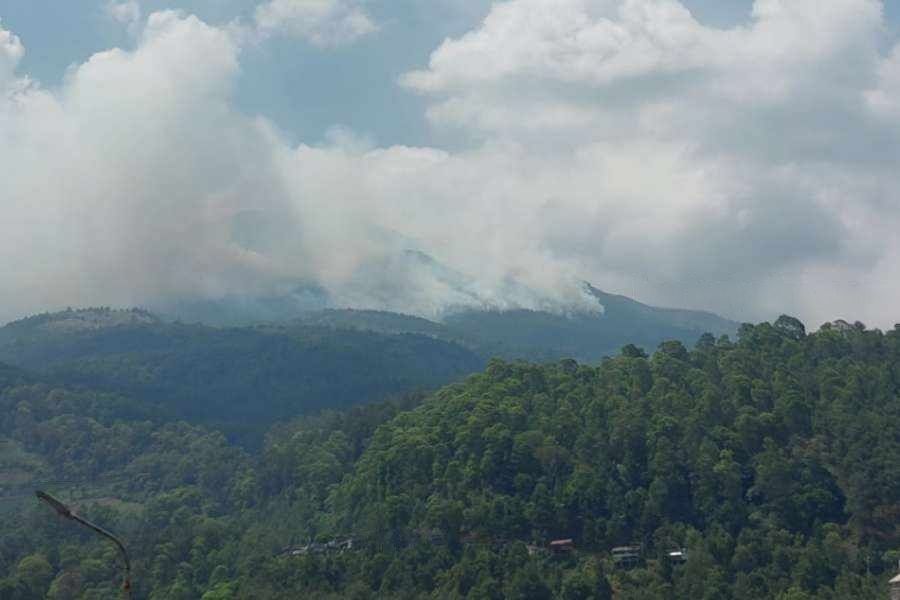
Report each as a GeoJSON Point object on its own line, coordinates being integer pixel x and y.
{"type": "Point", "coordinates": [765, 467]}
{"type": "Point", "coordinates": [238, 379]}
{"type": "Point", "coordinates": [242, 379]}
{"type": "Point", "coordinates": [513, 334]}
{"type": "Point", "coordinates": [588, 330]}
{"type": "Point", "coordinates": [586, 336]}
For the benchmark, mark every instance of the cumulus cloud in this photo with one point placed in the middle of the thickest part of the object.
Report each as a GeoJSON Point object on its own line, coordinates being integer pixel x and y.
{"type": "Point", "coordinates": [749, 170]}
{"type": "Point", "coordinates": [588, 57]}
{"type": "Point", "coordinates": [766, 144]}
{"type": "Point", "coordinates": [323, 23]}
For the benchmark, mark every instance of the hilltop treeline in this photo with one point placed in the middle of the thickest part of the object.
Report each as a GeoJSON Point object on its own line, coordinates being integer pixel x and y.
{"type": "Point", "coordinates": [772, 462]}
{"type": "Point", "coordinates": [239, 380]}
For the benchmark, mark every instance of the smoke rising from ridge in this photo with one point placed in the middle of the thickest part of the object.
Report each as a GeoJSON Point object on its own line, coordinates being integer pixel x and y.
{"type": "Point", "coordinates": [747, 170]}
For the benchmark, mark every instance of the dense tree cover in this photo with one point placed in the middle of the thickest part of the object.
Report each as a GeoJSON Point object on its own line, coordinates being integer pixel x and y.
{"type": "Point", "coordinates": [192, 507]}
{"type": "Point", "coordinates": [238, 379]}
{"type": "Point", "coordinates": [127, 472]}
{"type": "Point", "coordinates": [773, 461]}
{"type": "Point", "coordinates": [241, 379]}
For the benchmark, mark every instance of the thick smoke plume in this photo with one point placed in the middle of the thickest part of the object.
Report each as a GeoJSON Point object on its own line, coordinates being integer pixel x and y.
{"type": "Point", "coordinates": [749, 170]}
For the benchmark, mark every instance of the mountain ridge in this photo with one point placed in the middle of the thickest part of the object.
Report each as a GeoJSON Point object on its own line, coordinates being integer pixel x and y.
{"type": "Point", "coordinates": [234, 377]}
{"type": "Point", "coordinates": [510, 333]}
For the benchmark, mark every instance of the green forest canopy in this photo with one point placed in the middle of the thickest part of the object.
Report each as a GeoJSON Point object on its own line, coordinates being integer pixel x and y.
{"type": "Point", "coordinates": [773, 461]}
{"type": "Point", "coordinates": [239, 380]}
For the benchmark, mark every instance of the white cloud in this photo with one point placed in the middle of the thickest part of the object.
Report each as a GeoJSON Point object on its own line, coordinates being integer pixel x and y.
{"type": "Point", "coordinates": [593, 53]}
{"type": "Point", "coordinates": [749, 170]}
{"type": "Point", "coordinates": [778, 129]}
{"type": "Point", "coordinates": [11, 52]}
{"type": "Point", "coordinates": [323, 23]}
{"type": "Point", "coordinates": [567, 41]}
{"type": "Point", "coordinates": [127, 13]}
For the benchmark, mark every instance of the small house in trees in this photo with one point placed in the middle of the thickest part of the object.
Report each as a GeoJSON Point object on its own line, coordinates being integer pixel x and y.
{"type": "Point", "coordinates": [562, 546]}
{"type": "Point", "coordinates": [677, 557]}
{"type": "Point", "coordinates": [895, 588]}
{"type": "Point", "coordinates": [626, 556]}
{"type": "Point", "coordinates": [340, 544]}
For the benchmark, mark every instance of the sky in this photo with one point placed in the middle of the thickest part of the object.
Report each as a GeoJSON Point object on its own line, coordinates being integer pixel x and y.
{"type": "Point", "coordinates": [737, 156]}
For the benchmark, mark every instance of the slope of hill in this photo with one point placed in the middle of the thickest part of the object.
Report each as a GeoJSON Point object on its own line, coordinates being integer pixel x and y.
{"type": "Point", "coordinates": [693, 320]}
{"type": "Point", "coordinates": [585, 336]}
{"type": "Point", "coordinates": [232, 377]}
{"type": "Point", "coordinates": [597, 325]}
{"type": "Point", "coordinates": [539, 335]}
{"type": "Point", "coordinates": [764, 468]}
{"type": "Point", "coordinates": [375, 320]}
{"type": "Point", "coordinates": [10, 376]}
{"type": "Point", "coordinates": [246, 377]}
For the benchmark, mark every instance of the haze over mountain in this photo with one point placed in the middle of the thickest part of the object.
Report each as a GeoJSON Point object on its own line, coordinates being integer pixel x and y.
{"type": "Point", "coordinates": [743, 163]}
{"type": "Point", "coordinates": [607, 322]}
{"type": "Point", "coordinates": [243, 376]}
